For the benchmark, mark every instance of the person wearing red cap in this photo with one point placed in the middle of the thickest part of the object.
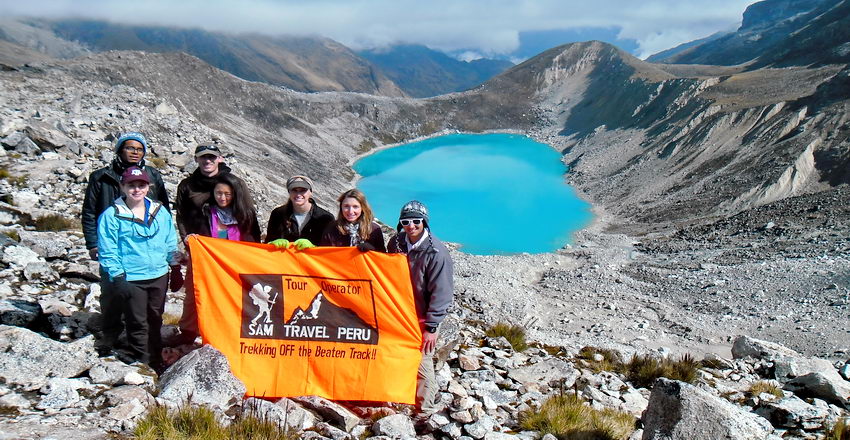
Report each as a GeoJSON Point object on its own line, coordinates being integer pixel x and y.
{"type": "Point", "coordinates": [137, 244]}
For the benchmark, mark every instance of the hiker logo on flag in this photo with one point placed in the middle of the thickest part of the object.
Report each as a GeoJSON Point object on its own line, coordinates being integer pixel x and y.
{"type": "Point", "coordinates": [281, 307]}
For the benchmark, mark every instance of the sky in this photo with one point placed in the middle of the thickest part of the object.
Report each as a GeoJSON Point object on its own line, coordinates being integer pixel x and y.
{"type": "Point", "coordinates": [465, 28]}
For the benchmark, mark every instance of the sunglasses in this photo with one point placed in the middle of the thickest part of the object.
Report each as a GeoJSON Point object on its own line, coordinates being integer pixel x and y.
{"type": "Point", "coordinates": [415, 221]}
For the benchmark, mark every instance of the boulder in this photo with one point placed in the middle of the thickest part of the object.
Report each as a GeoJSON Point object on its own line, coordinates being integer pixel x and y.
{"type": "Point", "coordinates": [480, 428]}
{"type": "Point", "coordinates": [284, 413]}
{"type": "Point", "coordinates": [827, 385]}
{"type": "Point", "coordinates": [202, 377]}
{"type": "Point", "coordinates": [62, 393]}
{"type": "Point", "coordinates": [126, 393]}
{"type": "Point", "coordinates": [679, 411]}
{"type": "Point", "coordinates": [792, 412]}
{"type": "Point", "coordinates": [40, 271]}
{"type": "Point", "coordinates": [787, 363]}
{"type": "Point", "coordinates": [19, 256]}
{"type": "Point", "coordinates": [46, 244]}
{"type": "Point", "coordinates": [18, 312]}
{"type": "Point", "coordinates": [29, 359]}
{"type": "Point", "coordinates": [330, 411]}
{"type": "Point", "coordinates": [14, 401]}
{"type": "Point", "coordinates": [541, 375]}
{"type": "Point", "coordinates": [394, 426]}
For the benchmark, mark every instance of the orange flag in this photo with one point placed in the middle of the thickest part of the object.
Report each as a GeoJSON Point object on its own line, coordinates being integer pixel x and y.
{"type": "Point", "coordinates": [331, 322]}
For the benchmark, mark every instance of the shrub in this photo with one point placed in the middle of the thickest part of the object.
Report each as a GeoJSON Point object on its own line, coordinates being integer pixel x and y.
{"type": "Point", "coordinates": [566, 417]}
{"type": "Point", "coordinates": [157, 162]}
{"type": "Point", "coordinates": [513, 333]}
{"type": "Point", "coordinates": [764, 386]}
{"type": "Point", "coordinates": [611, 359]}
{"type": "Point", "coordinates": [201, 423]}
{"type": "Point", "coordinates": [839, 431]}
{"type": "Point", "coordinates": [642, 371]}
{"type": "Point", "coordinates": [13, 234]}
{"type": "Point", "coordinates": [14, 180]}
{"type": "Point", "coordinates": [54, 223]}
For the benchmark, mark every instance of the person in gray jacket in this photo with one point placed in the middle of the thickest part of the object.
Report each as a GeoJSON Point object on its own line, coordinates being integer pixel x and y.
{"type": "Point", "coordinates": [433, 289]}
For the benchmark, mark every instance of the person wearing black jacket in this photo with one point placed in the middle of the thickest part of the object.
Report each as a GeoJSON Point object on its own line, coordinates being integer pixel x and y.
{"type": "Point", "coordinates": [355, 225]}
{"type": "Point", "coordinates": [104, 184]}
{"type": "Point", "coordinates": [300, 218]}
{"type": "Point", "coordinates": [193, 193]}
{"type": "Point", "coordinates": [103, 189]}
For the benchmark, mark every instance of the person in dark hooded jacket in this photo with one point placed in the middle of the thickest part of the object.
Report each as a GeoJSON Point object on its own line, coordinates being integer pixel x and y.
{"type": "Point", "coordinates": [104, 185]}
{"type": "Point", "coordinates": [193, 193]}
{"type": "Point", "coordinates": [103, 189]}
{"type": "Point", "coordinates": [433, 289]}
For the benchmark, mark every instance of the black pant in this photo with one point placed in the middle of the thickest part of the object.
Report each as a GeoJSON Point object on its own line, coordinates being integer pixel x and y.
{"type": "Point", "coordinates": [141, 304]}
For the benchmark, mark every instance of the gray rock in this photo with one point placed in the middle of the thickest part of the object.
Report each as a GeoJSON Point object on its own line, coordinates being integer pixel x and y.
{"type": "Point", "coordinates": [125, 393]}
{"type": "Point", "coordinates": [26, 200]}
{"type": "Point", "coordinates": [480, 428]}
{"type": "Point", "coordinates": [15, 401]}
{"type": "Point", "coordinates": [112, 372]}
{"type": "Point", "coordinates": [13, 139]}
{"type": "Point", "coordinates": [19, 256]}
{"type": "Point", "coordinates": [394, 426]}
{"type": "Point", "coordinates": [452, 430]}
{"type": "Point", "coordinates": [127, 410]}
{"type": "Point", "coordinates": [787, 363]}
{"type": "Point", "coordinates": [679, 411]}
{"type": "Point", "coordinates": [202, 376]}
{"type": "Point", "coordinates": [284, 413]}
{"type": "Point", "coordinates": [61, 393]}
{"type": "Point", "coordinates": [844, 371]}
{"type": "Point", "coordinates": [792, 412]}
{"type": "Point", "coordinates": [18, 312]}
{"type": "Point", "coordinates": [332, 432]}
{"type": "Point", "coordinates": [468, 362]}
{"type": "Point", "coordinates": [499, 436]}
{"type": "Point", "coordinates": [329, 410]}
{"type": "Point", "coordinates": [541, 375]}
{"type": "Point", "coordinates": [827, 385]}
{"type": "Point", "coordinates": [29, 359]}
{"type": "Point", "coordinates": [46, 244]}
{"type": "Point", "coordinates": [40, 271]}
{"type": "Point", "coordinates": [27, 147]}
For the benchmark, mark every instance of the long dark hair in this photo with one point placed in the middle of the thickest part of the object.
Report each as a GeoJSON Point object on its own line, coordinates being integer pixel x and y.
{"type": "Point", "coordinates": [242, 204]}
{"type": "Point", "coordinates": [366, 216]}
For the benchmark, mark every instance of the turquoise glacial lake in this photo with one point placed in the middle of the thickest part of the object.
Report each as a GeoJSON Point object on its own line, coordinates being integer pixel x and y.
{"type": "Point", "coordinates": [492, 193]}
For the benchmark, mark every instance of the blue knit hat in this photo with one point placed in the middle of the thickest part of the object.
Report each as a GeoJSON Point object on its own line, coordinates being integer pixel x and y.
{"type": "Point", "coordinates": [132, 136]}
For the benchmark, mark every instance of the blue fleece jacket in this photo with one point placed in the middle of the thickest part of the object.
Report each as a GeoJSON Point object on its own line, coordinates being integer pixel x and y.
{"type": "Point", "coordinates": [141, 249]}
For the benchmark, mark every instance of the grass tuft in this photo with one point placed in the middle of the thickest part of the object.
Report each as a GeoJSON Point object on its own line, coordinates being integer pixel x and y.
{"type": "Point", "coordinates": [13, 234]}
{"type": "Point", "coordinates": [611, 359]}
{"type": "Point", "coordinates": [766, 386]}
{"type": "Point", "coordinates": [642, 371]}
{"type": "Point", "coordinates": [19, 181]}
{"type": "Point", "coordinates": [201, 423]}
{"type": "Point", "coordinates": [54, 223]}
{"type": "Point", "coordinates": [513, 333]}
{"type": "Point", "coordinates": [839, 431]}
{"type": "Point", "coordinates": [568, 418]}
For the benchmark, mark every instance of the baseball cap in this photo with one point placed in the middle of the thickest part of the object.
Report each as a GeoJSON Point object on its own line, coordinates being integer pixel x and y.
{"type": "Point", "coordinates": [203, 150]}
{"type": "Point", "coordinates": [299, 182]}
{"type": "Point", "coordinates": [134, 174]}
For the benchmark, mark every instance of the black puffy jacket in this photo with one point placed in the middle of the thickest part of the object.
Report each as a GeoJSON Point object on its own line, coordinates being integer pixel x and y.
{"type": "Point", "coordinates": [104, 187]}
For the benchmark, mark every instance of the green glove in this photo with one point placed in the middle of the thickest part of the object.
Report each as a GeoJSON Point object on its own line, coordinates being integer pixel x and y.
{"type": "Point", "coordinates": [303, 243]}
{"type": "Point", "coordinates": [280, 243]}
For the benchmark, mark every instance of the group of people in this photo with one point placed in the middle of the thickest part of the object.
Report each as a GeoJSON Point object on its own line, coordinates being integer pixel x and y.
{"type": "Point", "coordinates": [128, 228]}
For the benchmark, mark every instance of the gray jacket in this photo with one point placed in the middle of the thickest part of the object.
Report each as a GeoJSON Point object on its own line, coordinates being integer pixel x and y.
{"type": "Point", "coordinates": [431, 274]}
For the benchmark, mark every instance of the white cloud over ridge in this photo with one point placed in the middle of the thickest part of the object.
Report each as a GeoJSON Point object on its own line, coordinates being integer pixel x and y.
{"type": "Point", "coordinates": [485, 26]}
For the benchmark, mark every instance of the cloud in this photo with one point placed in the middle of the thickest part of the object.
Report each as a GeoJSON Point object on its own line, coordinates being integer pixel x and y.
{"type": "Point", "coordinates": [487, 27]}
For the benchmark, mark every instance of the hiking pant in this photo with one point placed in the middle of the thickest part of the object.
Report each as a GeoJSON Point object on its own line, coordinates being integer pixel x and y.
{"type": "Point", "coordinates": [141, 303]}
{"type": "Point", "coordinates": [426, 384]}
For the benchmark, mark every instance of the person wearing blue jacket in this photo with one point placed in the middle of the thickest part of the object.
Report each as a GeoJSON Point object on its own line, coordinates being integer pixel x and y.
{"type": "Point", "coordinates": [137, 244]}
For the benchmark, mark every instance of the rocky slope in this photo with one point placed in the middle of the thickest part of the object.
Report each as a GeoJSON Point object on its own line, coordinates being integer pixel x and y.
{"type": "Point", "coordinates": [778, 33]}
{"type": "Point", "coordinates": [307, 64]}
{"type": "Point", "coordinates": [422, 72]}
